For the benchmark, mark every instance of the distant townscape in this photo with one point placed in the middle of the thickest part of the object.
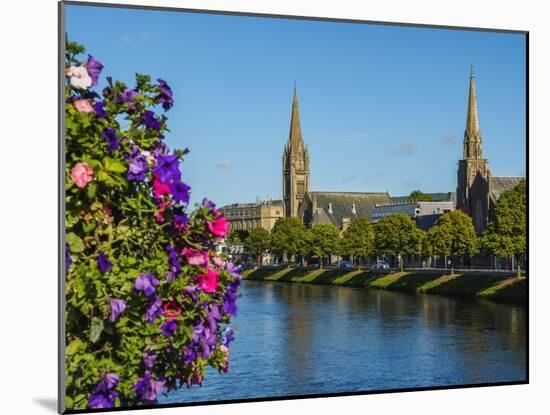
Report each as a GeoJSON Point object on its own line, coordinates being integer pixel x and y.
{"type": "Point", "coordinates": [476, 193]}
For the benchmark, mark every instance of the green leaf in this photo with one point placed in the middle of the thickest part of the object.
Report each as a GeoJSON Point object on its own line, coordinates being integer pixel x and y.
{"type": "Point", "coordinates": [96, 329]}
{"type": "Point", "coordinates": [113, 165]}
{"type": "Point", "coordinates": [73, 347]}
{"type": "Point", "coordinates": [75, 243]}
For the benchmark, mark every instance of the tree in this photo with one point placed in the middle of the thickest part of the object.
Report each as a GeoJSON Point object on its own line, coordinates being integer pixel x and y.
{"type": "Point", "coordinates": [289, 236]}
{"type": "Point", "coordinates": [398, 235]}
{"type": "Point", "coordinates": [324, 240]}
{"type": "Point", "coordinates": [257, 243]}
{"type": "Point", "coordinates": [418, 196]}
{"type": "Point", "coordinates": [237, 236]}
{"type": "Point", "coordinates": [453, 234]}
{"type": "Point", "coordinates": [358, 239]}
{"type": "Point", "coordinates": [506, 234]}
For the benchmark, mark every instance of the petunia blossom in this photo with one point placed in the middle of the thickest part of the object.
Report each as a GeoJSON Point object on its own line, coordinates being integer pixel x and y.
{"type": "Point", "coordinates": [104, 263]}
{"type": "Point", "coordinates": [167, 168]}
{"type": "Point", "coordinates": [160, 188]}
{"type": "Point", "coordinates": [83, 105]}
{"type": "Point", "coordinates": [117, 308]}
{"type": "Point", "coordinates": [79, 77]}
{"type": "Point", "coordinates": [208, 282]}
{"type": "Point", "coordinates": [137, 167]}
{"type": "Point", "coordinates": [165, 96]}
{"type": "Point", "coordinates": [94, 69]}
{"type": "Point", "coordinates": [180, 192]}
{"type": "Point", "coordinates": [82, 174]}
{"type": "Point", "coordinates": [169, 328]}
{"type": "Point", "coordinates": [148, 388]}
{"type": "Point", "coordinates": [196, 256]}
{"type": "Point", "coordinates": [109, 135]}
{"type": "Point", "coordinates": [146, 283]}
{"type": "Point", "coordinates": [99, 108]}
{"type": "Point", "coordinates": [219, 227]}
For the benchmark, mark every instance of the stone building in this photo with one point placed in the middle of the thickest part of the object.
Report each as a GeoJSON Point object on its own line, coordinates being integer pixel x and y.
{"type": "Point", "coordinates": [244, 216]}
{"type": "Point", "coordinates": [477, 190]}
{"type": "Point", "coordinates": [425, 214]}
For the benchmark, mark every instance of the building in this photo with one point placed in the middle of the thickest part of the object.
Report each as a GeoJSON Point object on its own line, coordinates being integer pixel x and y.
{"type": "Point", "coordinates": [295, 164]}
{"type": "Point", "coordinates": [477, 190]}
{"type": "Point", "coordinates": [262, 214]}
{"type": "Point", "coordinates": [338, 208]}
{"type": "Point", "coordinates": [425, 214]}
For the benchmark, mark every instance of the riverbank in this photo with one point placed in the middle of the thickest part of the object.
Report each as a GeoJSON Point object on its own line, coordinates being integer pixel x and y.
{"type": "Point", "coordinates": [501, 287]}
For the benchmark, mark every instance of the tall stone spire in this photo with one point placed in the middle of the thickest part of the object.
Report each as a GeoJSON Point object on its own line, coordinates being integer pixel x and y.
{"type": "Point", "coordinates": [295, 141]}
{"type": "Point", "coordinates": [295, 164]}
{"type": "Point", "coordinates": [472, 134]}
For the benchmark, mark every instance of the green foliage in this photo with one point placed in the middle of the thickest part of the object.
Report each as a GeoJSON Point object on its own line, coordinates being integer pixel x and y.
{"type": "Point", "coordinates": [324, 240]}
{"type": "Point", "coordinates": [452, 234]}
{"type": "Point", "coordinates": [398, 234]}
{"type": "Point", "coordinates": [506, 234]}
{"type": "Point", "coordinates": [418, 196]}
{"type": "Point", "coordinates": [257, 242]}
{"type": "Point", "coordinates": [358, 238]}
{"type": "Point", "coordinates": [289, 236]}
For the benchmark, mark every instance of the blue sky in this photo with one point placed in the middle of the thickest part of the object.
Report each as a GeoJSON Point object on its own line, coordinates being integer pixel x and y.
{"type": "Point", "coordinates": [381, 107]}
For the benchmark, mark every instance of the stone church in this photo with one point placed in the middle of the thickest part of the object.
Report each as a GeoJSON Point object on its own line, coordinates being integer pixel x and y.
{"type": "Point", "coordinates": [477, 189]}
{"type": "Point", "coordinates": [338, 208]}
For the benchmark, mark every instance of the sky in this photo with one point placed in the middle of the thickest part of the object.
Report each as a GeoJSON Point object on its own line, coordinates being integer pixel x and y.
{"type": "Point", "coordinates": [382, 108]}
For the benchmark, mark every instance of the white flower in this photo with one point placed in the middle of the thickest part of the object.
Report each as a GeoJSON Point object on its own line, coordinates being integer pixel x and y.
{"type": "Point", "coordinates": [80, 79]}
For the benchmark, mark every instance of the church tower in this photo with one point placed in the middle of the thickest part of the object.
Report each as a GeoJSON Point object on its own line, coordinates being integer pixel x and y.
{"type": "Point", "coordinates": [295, 164]}
{"type": "Point", "coordinates": [473, 166]}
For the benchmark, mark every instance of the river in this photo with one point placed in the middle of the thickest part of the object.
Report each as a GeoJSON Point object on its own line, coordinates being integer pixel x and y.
{"type": "Point", "coordinates": [294, 339]}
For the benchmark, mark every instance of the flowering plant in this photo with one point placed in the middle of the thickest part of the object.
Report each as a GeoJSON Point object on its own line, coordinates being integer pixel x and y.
{"type": "Point", "coordinates": [148, 298]}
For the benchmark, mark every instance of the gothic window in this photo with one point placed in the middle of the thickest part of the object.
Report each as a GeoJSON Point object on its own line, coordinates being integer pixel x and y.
{"type": "Point", "coordinates": [301, 188]}
{"type": "Point", "coordinates": [478, 215]}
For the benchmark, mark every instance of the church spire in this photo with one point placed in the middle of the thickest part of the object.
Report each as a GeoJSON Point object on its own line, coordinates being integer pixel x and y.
{"type": "Point", "coordinates": [472, 134]}
{"type": "Point", "coordinates": [295, 141]}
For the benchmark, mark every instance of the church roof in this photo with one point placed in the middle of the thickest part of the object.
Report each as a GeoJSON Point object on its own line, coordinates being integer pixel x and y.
{"type": "Point", "coordinates": [333, 207]}
{"type": "Point", "coordinates": [436, 197]}
{"type": "Point", "coordinates": [499, 184]}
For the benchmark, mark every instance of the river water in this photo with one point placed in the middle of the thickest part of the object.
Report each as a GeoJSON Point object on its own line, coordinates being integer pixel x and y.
{"type": "Point", "coordinates": [294, 339]}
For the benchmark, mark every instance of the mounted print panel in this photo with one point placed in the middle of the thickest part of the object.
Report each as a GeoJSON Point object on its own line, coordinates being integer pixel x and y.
{"type": "Point", "coordinates": [275, 207]}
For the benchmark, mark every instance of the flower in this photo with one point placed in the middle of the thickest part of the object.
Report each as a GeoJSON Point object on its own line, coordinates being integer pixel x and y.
{"type": "Point", "coordinates": [146, 283]}
{"type": "Point", "coordinates": [82, 174]}
{"type": "Point", "coordinates": [165, 96]}
{"type": "Point", "coordinates": [208, 203]}
{"type": "Point", "coordinates": [150, 121]}
{"type": "Point", "coordinates": [105, 393]}
{"type": "Point", "coordinates": [175, 266]}
{"type": "Point", "coordinates": [229, 303]}
{"type": "Point", "coordinates": [224, 366]}
{"type": "Point", "coordinates": [219, 227]}
{"type": "Point", "coordinates": [79, 77]}
{"type": "Point", "coordinates": [99, 108]}
{"type": "Point", "coordinates": [153, 311]}
{"type": "Point", "coordinates": [117, 307]}
{"type": "Point", "coordinates": [147, 388]}
{"type": "Point", "coordinates": [209, 281]}
{"type": "Point", "coordinates": [167, 168]}
{"type": "Point", "coordinates": [159, 187]}
{"type": "Point", "coordinates": [196, 256]}
{"type": "Point", "coordinates": [228, 336]}
{"type": "Point", "coordinates": [172, 310]}
{"type": "Point", "coordinates": [137, 168]}
{"type": "Point", "coordinates": [83, 105]}
{"type": "Point", "coordinates": [94, 69]}
{"type": "Point", "coordinates": [149, 359]}
{"type": "Point", "coordinates": [180, 192]}
{"type": "Point", "coordinates": [169, 328]}
{"type": "Point", "coordinates": [180, 221]}
{"type": "Point", "coordinates": [128, 97]}
{"type": "Point", "coordinates": [104, 263]}
{"type": "Point", "coordinates": [109, 135]}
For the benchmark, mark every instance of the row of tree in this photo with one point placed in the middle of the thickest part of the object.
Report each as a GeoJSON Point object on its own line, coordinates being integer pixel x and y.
{"type": "Point", "coordinates": [453, 235]}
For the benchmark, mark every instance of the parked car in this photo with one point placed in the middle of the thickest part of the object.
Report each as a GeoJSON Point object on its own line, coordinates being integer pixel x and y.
{"type": "Point", "coordinates": [345, 264]}
{"type": "Point", "coordinates": [381, 265]}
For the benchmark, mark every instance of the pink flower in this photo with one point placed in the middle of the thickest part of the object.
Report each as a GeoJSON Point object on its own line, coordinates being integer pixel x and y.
{"type": "Point", "coordinates": [219, 227]}
{"type": "Point", "coordinates": [80, 78]}
{"type": "Point", "coordinates": [218, 261]}
{"type": "Point", "coordinates": [83, 105]}
{"type": "Point", "coordinates": [224, 366]}
{"type": "Point", "coordinates": [82, 174]}
{"type": "Point", "coordinates": [195, 256]}
{"type": "Point", "coordinates": [160, 188]}
{"type": "Point", "coordinates": [172, 310]}
{"type": "Point", "coordinates": [209, 281]}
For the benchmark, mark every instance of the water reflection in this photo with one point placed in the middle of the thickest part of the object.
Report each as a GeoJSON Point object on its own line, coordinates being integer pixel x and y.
{"type": "Point", "coordinates": [294, 339]}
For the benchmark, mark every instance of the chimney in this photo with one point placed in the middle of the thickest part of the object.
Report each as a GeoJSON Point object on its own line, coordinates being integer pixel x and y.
{"type": "Point", "coordinates": [353, 210]}
{"type": "Point", "coordinates": [330, 207]}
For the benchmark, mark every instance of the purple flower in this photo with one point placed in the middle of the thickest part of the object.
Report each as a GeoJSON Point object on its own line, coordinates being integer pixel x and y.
{"type": "Point", "coordinates": [150, 121]}
{"type": "Point", "coordinates": [104, 395]}
{"type": "Point", "coordinates": [167, 168]}
{"type": "Point", "coordinates": [109, 135]}
{"type": "Point", "coordinates": [175, 266]}
{"type": "Point", "coordinates": [94, 69]}
{"type": "Point", "coordinates": [189, 355]}
{"type": "Point", "coordinates": [180, 192]}
{"type": "Point", "coordinates": [68, 259]}
{"type": "Point", "coordinates": [181, 221]}
{"type": "Point", "coordinates": [128, 97]}
{"type": "Point", "coordinates": [99, 108]}
{"type": "Point", "coordinates": [117, 307]}
{"type": "Point", "coordinates": [149, 359]}
{"type": "Point", "coordinates": [234, 270]}
{"type": "Point", "coordinates": [213, 317]}
{"type": "Point", "coordinates": [228, 336]}
{"type": "Point", "coordinates": [137, 168]}
{"type": "Point", "coordinates": [153, 311]}
{"type": "Point", "coordinates": [110, 380]}
{"type": "Point", "coordinates": [165, 97]}
{"type": "Point", "coordinates": [147, 388]}
{"type": "Point", "coordinates": [103, 263]}
{"type": "Point", "coordinates": [146, 283]}
{"type": "Point", "coordinates": [208, 203]}
{"type": "Point", "coordinates": [191, 291]}
{"type": "Point", "coordinates": [230, 304]}
{"type": "Point", "coordinates": [169, 328]}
